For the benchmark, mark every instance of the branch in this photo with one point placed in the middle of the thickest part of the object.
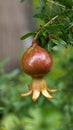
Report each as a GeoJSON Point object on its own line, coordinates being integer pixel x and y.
{"type": "Point", "coordinates": [56, 3]}
{"type": "Point", "coordinates": [51, 20]}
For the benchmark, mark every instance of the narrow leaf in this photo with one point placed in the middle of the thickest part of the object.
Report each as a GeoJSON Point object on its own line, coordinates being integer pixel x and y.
{"type": "Point", "coordinates": [69, 26]}
{"type": "Point", "coordinates": [42, 2]}
{"type": "Point", "coordinates": [4, 62]}
{"type": "Point", "coordinates": [55, 41]}
{"type": "Point", "coordinates": [21, 1]}
{"type": "Point", "coordinates": [27, 35]}
{"type": "Point", "coordinates": [12, 74]}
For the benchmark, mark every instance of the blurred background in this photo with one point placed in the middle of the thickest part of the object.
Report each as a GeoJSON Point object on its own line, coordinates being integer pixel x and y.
{"type": "Point", "coordinates": [17, 113]}
{"type": "Point", "coordinates": [15, 20]}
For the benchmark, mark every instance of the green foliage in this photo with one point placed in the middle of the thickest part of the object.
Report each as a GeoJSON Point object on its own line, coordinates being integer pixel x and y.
{"type": "Point", "coordinates": [58, 31]}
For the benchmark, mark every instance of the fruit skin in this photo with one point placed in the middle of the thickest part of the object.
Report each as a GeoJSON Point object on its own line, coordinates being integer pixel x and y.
{"type": "Point", "coordinates": [36, 61]}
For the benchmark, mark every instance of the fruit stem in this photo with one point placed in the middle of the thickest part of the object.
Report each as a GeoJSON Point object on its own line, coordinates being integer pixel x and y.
{"type": "Point", "coordinates": [34, 42]}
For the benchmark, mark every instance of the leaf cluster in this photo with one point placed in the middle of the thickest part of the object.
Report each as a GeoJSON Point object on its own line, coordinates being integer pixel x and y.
{"type": "Point", "coordinates": [60, 31]}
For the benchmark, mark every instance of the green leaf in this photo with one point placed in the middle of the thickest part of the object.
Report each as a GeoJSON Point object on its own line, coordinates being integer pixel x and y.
{"type": "Point", "coordinates": [69, 26]}
{"type": "Point", "coordinates": [55, 41]}
{"type": "Point", "coordinates": [62, 42]}
{"type": "Point", "coordinates": [38, 15]}
{"type": "Point", "coordinates": [59, 41]}
{"type": "Point", "coordinates": [12, 74]}
{"type": "Point", "coordinates": [27, 35]}
{"type": "Point", "coordinates": [1, 109]}
{"type": "Point", "coordinates": [21, 1]}
{"type": "Point", "coordinates": [42, 2]}
{"type": "Point", "coordinates": [4, 62]}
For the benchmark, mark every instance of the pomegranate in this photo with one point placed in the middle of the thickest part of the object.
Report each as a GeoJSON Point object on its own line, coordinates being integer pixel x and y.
{"type": "Point", "coordinates": [37, 62]}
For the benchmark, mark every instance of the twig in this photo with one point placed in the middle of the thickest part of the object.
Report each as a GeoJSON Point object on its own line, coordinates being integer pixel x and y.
{"type": "Point", "coordinates": [37, 33]}
{"type": "Point", "coordinates": [56, 3]}
{"type": "Point", "coordinates": [50, 21]}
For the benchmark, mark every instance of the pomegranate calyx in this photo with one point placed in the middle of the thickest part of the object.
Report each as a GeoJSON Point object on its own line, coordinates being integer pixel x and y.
{"type": "Point", "coordinates": [39, 86]}
{"type": "Point", "coordinates": [26, 94]}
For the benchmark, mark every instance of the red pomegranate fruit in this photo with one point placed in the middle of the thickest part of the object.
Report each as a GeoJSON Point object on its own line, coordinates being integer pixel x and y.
{"type": "Point", "coordinates": [37, 62]}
